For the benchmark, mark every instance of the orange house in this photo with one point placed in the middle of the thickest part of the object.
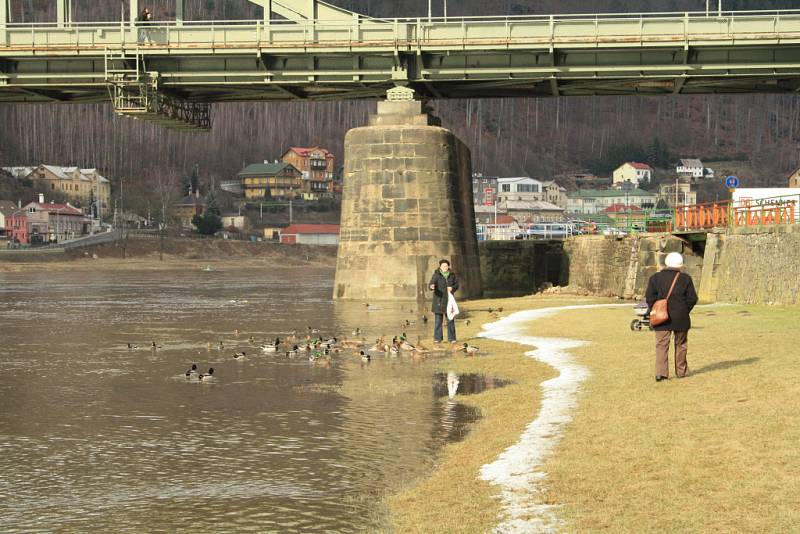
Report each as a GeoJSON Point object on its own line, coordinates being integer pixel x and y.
{"type": "Point", "coordinates": [317, 166]}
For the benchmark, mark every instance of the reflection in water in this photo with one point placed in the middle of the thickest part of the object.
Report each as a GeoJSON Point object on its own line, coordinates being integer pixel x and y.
{"type": "Point", "coordinates": [450, 384]}
{"type": "Point", "coordinates": [97, 436]}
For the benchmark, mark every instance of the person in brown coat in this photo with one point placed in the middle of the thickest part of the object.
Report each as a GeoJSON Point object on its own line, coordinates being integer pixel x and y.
{"type": "Point", "coordinates": [680, 305]}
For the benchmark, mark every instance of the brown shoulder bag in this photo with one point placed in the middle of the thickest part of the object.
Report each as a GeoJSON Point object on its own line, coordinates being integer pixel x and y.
{"type": "Point", "coordinates": [659, 313]}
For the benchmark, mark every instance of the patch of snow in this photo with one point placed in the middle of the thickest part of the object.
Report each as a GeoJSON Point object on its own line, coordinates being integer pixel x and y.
{"type": "Point", "coordinates": [518, 470]}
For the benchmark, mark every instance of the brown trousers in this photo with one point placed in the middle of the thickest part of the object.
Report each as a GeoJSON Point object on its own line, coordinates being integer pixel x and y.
{"type": "Point", "coordinates": [662, 352]}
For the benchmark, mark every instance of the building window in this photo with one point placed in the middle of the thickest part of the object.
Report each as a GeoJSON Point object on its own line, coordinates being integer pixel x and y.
{"type": "Point", "coordinates": [506, 188]}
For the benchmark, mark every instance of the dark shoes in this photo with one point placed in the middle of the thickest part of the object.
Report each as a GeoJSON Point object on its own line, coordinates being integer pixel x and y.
{"type": "Point", "coordinates": [659, 378]}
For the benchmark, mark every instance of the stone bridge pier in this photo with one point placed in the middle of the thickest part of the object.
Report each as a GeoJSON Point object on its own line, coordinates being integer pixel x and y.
{"type": "Point", "coordinates": [407, 203]}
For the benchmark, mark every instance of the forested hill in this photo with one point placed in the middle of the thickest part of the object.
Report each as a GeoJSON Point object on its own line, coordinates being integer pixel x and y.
{"type": "Point", "coordinates": [538, 137]}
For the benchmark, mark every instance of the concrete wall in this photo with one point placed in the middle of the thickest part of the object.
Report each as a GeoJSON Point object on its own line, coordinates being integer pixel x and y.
{"type": "Point", "coordinates": [621, 267]}
{"type": "Point", "coordinates": [407, 202]}
{"type": "Point", "coordinates": [753, 266]}
{"type": "Point", "coordinates": [747, 266]}
{"type": "Point", "coordinates": [511, 268]}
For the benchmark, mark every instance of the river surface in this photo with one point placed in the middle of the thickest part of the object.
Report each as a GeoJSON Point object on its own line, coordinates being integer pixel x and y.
{"type": "Point", "coordinates": [98, 437]}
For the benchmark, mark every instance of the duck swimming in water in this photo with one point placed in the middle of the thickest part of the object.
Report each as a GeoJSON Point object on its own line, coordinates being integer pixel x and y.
{"type": "Point", "coordinates": [292, 352]}
{"type": "Point", "coordinates": [191, 372]}
{"type": "Point", "coordinates": [131, 347]}
{"type": "Point", "coordinates": [239, 355]}
{"type": "Point", "coordinates": [208, 377]}
{"type": "Point", "coordinates": [364, 356]}
{"type": "Point", "coordinates": [271, 347]}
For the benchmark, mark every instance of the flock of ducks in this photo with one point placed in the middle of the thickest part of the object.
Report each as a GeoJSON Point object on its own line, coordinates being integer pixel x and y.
{"type": "Point", "coordinates": [321, 350]}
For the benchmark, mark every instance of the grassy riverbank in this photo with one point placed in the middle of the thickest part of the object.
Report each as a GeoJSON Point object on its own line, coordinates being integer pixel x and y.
{"type": "Point", "coordinates": [712, 452]}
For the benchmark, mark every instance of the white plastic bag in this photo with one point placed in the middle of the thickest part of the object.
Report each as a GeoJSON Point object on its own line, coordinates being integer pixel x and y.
{"type": "Point", "coordinates": [452, 307]}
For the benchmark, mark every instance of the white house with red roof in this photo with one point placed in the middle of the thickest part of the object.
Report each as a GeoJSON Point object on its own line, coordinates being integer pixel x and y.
{"type": "Point", "coordinates": [310, 234]}
{"type": "Point", "coordinates": [632, 172]}
{"type": "Point", "coordinates": [54, 222]}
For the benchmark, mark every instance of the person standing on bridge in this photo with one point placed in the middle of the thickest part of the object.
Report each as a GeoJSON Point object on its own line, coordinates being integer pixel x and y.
{"type": "Point", "coordinates": [678, 286]}
{"type": "Point", "coordinates": [442, 282]}
{"type": "Point", "coordinates": [143, 22]}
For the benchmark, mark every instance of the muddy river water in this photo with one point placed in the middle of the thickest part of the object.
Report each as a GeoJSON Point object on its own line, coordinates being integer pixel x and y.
{"type": "Point", "coordinates": [97, 436]}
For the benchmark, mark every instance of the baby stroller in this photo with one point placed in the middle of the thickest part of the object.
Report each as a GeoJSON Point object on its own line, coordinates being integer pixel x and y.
{"type": "Point", "coordinates": [643, 317]}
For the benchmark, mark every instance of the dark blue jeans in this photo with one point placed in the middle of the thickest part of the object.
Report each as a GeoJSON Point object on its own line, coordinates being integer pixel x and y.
{"type": "Point", "coordinates": [437, 328]}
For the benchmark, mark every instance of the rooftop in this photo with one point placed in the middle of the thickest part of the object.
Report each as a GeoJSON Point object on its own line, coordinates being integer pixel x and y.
{"type": "Point", "coordinates": [311, 229]}
{"type": "Point", "coordinates": [604, 193]}
{"type": "Point", "coordinates": [265, 168]}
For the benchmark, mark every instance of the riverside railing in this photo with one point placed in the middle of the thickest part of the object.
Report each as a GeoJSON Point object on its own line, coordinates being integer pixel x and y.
{"type": "Point", "coordinates": [623, 29]}
{"type": "Point", "coordinates": [769, 211]}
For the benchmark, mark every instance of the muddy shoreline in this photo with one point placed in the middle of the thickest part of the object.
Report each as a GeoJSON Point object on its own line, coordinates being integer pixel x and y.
{"type": "Point", "coordinates": [175, 253]}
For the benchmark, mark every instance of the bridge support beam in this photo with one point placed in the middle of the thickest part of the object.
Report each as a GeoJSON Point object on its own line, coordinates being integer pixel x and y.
{"type": "Point", "coordinates": [407, 203]}
{"type": "Point", "coordinates": [133, 10]}
{"type": "Point", "coordinates": [179, 8]}
{"type": "Point", "coordinates": [63, 13]}
{"type": "Point", "coordinates": [4, 12]}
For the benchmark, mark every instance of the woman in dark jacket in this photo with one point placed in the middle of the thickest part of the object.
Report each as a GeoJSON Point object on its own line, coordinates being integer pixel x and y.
{"type": "Point", "coordinates": [442, 282]}
{"type": "Point", "coordinates": [679, 306]}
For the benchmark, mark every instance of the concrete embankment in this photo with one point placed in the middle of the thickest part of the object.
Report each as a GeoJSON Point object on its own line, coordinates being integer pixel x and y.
{"type": "Point", "coordinates": [744, 266]}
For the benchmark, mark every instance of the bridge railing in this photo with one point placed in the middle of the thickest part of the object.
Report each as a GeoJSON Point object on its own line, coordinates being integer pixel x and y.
{"type": "Point", "coordinates": [573, 29]}
{"type": "Point", "coordinates": [776, 210]}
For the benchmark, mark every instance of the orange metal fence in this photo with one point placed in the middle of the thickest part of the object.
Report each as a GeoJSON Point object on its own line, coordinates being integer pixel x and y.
{"type": "Point", "coordinates": [728, 214]}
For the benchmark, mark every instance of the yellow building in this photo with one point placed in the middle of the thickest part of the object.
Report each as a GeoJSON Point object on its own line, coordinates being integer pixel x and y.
{"type": "Point", "coordinates": [632, 172]}
{"type": "Point", "coordinates": [794, 179]}
{"type": "Point", "coordinates": [275, 180]}
{"type": "Point", "coordinates": [78, 185]}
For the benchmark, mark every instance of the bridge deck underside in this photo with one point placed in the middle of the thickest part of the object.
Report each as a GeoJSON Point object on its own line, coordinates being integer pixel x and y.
{"type": "Point", "coordinates": [256, 61]}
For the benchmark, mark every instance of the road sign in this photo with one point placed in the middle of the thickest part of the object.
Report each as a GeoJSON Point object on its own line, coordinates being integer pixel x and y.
{"type": "Point", "coordinates": [731, 182]}
{"type": "Point", "coordinates": [488, 196]}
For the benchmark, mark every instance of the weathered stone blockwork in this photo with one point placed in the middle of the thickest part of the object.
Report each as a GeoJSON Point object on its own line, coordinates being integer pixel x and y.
{"type": "Point", "coordinates": [753, 266]}
{"type": "Point", "coordinates": [621, 267]}
{"type": "Point", "coordinates": [513, 268]}
{"type": "Point", "coordinates": [407, 202]}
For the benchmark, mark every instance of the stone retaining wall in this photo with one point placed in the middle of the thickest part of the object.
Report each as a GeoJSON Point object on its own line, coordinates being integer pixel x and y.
{"type": "Point", "coordinates": [753, 266]}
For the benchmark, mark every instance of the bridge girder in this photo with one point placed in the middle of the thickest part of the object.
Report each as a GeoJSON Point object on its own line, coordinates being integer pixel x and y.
{"type": "Point", "coordinates": [345, 55]}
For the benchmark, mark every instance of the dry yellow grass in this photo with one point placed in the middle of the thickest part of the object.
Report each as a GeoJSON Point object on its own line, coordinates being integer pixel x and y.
{"type": "Point", "coordinates": [453, 499]}
{"type": "Point", "coordinates": [716, 451]}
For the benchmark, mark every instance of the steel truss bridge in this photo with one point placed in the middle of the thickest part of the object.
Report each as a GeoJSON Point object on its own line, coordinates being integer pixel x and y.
{"type": "Point", "coordinates": [169, 71]}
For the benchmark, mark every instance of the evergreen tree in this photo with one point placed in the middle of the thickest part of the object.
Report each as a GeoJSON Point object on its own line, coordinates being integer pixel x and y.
{"type": "Point", "coordinates": [207, 223]}
{"type": "Point", "coordinates": [212, 206]}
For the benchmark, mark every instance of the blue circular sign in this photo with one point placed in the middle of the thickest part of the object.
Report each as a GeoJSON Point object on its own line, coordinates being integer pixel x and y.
{"type": "Point", "coordinates": [732, 182]}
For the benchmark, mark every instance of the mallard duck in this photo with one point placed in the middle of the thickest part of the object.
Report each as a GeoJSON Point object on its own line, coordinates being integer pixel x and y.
{"type": "Point", "coordinates": [239, 355]}
{"type": "Point", "coordinates": [132, 347]}
{"type": "Point", "coordinates": [271, 347]}
{"type": "Point", "coordinates": [364, 356]}
{"type": "Point", "coordinates": [154, 346]}
{"type": "Point", "coordinates": [292, 352]}
{"type": "Point", "coordinates": [356, 332]}
{"type": "Point", "coordinates": [191, 372]}
{"type": "Point", "coordinates": [206, 377]}
{"type": "Point", "coordinates": [469, 349]}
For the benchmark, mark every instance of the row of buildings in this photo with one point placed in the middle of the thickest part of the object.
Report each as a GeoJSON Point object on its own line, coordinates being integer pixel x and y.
{"type": "Point", "coordinates": [633, 173]}
{"type": "Point", "coordinates": [302, 172]}
{"type": "Point", "coordinates": [86, 189]}
{"type": "Point", "coordinates": [41, 222]}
